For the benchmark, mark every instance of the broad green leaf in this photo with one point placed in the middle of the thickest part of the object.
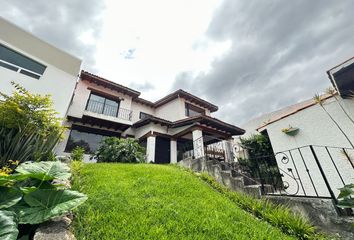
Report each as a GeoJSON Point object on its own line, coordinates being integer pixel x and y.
{"type": "Point", "coordinates": [45, 204]}
{"type": "Point", "coordinates": [45, 170]}
{"type": "Point", "coordinates": [8, 225]}
{"type": "Point", "coordinates": [14, 178]}
{"type": "Point", "coordinates": [9, 196]}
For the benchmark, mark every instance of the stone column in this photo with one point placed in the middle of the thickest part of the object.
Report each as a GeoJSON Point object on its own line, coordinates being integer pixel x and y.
{"type": "Point", "coordinates": [198, 145]}
{"type": "Point", "coordinates": [150, 148]}
{"type": "Point", "coordinates": [173, 151]}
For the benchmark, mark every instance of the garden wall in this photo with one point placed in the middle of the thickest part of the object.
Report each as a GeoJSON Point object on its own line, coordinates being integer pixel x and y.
{"type": "Point", "coordinates": [320, 212]}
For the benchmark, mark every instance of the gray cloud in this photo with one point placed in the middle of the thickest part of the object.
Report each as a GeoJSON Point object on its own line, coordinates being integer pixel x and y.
{"type": "Point", "coordinates": [142, 87]}
{"type": "Point", "coordinates": [61, 23]}
{"type": "Point", "coordinates": [279, 54]}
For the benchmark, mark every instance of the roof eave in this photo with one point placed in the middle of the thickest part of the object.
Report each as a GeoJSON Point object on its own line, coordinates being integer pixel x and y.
{"type": "Point", "coordinates": [109, 84]}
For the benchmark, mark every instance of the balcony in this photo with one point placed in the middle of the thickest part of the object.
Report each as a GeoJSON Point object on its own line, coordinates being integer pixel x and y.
{"type": "Point", "coordinates": [109, 109]}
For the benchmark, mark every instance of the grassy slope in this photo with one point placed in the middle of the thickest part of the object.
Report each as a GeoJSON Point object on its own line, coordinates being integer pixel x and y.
{"type": "Point", "coordinates": [144, 201]}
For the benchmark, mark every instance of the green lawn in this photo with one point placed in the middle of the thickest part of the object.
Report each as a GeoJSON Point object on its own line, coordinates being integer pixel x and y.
{"type": "Point", "coordinates": [146, 201]}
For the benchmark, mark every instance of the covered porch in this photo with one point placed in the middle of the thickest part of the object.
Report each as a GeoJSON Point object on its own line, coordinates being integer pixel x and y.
{"type": "Point", "coordinates": [195, 137]}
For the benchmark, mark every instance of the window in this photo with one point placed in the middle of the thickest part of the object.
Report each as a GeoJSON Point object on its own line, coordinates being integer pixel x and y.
{"type": "Point", "coordinates": [192, 110]}
{"type": "Point", "coordinates": [87, 138]}
{"type": "Point", "coordinates": [143, 115]}
{"type": "Point", "coordinates": [19, 63]}
{"type": "Point", "coordinates": [99, 104]}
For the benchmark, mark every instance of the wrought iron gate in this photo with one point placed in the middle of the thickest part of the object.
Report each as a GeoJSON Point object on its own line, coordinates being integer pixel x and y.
{"type": "Point", "coordinates": [310, 171]}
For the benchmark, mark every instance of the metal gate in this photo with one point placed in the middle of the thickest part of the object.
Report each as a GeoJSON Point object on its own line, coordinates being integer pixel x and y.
{"type": "Point", "coordinates": [308, 171]}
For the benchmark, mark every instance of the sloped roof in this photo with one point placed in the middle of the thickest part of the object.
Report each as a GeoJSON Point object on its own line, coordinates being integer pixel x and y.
{"type": "Point", "coordinates": [152, 119]}
{"type": "Point", "coordinates": [290, 110]}
{"type": "Point", "coordinates": [188, 96]}
{"type": "Point", "coordinates": [201, 119]}
{"type": "Point", "coordinates": [135, 94]}
{"type": "Point", "coordinates": [107, 83]}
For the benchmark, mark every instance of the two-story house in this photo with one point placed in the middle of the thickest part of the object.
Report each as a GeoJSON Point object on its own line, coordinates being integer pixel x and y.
{"type": "Point", "coordinates": [176, 125]}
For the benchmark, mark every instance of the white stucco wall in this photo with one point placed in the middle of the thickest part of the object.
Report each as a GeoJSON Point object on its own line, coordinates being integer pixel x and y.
{"type": "Point", "coordinates": [316, 128]}
{"type": "Point", "coordinates": [60, 76]}
{"type": "Point", "coordinates": [138, 107]}
{"type": "Point", "coordinates": [47, 84]}
{"type": "Point", "coordinates": [175, 110]}
{"type": "Point", "coordinates": [172, 111]}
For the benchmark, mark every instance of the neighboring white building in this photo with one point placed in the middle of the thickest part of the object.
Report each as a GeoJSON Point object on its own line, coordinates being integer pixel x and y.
{"type": "Point", "coordinates": [37, 66]}
{"type": "Point", "coordinates": [315, 127]}
{"type": "Point", "coordinates": [169, 128]}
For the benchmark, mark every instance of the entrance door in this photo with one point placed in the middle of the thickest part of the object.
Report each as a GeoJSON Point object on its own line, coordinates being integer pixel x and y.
{"type": "Point", "coordinates": [162, 150]}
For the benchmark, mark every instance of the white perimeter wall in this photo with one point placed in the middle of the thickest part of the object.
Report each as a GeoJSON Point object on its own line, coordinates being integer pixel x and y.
{"type": "Point", "coordinates": [316, 128]}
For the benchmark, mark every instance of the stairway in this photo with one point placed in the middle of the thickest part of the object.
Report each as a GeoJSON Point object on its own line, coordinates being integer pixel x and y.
{"type": "Point", "coordinates": [229, 175]}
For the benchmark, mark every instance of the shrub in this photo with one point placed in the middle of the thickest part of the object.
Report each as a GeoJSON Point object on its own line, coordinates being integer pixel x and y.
{"type": "Point", "coordinates": [257, 145]}
{"type": "Point", "coordinates": [34, 111]}
{"type": "Point", "coordinates": [29, 128]}
{"type": "Point", "coordinates": [77, 154]}
{"type": "Point", "coordinates": [114, 149]}
{"type": "Point", "coordinates": [31, 196]}
{"type": "Point", "coordinates": [261, 163]}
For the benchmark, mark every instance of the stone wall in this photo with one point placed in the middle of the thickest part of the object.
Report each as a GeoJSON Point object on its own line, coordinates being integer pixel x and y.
{"type": "Point", "coordinates": [224, 175]}
{"type": "Point", "coordinates": [320, 212]}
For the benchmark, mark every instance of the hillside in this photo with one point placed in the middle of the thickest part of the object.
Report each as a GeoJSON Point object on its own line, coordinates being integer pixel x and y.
{"type": "Point", "coordinates": [145, 201]}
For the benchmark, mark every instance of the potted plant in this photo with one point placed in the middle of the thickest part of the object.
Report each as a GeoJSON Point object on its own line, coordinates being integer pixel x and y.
{"type": "Point", "coordinates": [291, 131]}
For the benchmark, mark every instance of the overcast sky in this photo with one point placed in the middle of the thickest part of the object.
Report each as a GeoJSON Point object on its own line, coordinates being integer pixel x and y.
{"type": "Point", "coordinates": [247, 57]}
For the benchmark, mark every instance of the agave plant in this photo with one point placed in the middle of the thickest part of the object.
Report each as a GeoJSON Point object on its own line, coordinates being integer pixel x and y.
{"type": "Point", "coordinates": [25, 145]}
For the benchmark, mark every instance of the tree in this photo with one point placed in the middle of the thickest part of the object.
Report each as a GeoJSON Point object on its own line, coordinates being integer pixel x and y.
{"type": "Point", "coordinates": [317, 98]}
{"type": "Point", "coordinates": [257, 145]}
{"type": "Point", "coordinates": [23, 109]}
{"type": "Point", "coordinates": [114, 149]}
